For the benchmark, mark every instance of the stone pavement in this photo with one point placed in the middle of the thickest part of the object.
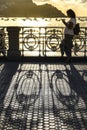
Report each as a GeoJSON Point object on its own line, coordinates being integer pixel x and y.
{"type": "Point", "coordinates": [43, 96]}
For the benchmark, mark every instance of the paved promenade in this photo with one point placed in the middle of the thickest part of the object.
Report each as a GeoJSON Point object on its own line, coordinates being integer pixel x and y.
{"type": "Point", "coordinates": [45, 96]}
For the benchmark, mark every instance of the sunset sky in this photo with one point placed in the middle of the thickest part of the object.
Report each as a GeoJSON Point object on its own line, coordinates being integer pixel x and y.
{"type": "Point", "coordinates": [79, 6]}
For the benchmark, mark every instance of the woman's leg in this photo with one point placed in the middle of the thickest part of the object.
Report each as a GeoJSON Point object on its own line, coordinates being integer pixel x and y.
{"type": "Point", "coordinates": [68, 46]}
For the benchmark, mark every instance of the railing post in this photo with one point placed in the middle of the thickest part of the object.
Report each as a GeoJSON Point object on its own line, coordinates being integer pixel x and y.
{"type": "Point", "coordinates": [13, 35]}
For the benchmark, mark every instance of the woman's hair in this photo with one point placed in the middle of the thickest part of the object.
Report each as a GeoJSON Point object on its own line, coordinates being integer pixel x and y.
{"type": "Point", "coordinates": [71, 13]}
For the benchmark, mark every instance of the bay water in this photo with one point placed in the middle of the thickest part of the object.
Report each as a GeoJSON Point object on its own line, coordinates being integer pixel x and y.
{"type": "Point", "coordinates": [37, 22]}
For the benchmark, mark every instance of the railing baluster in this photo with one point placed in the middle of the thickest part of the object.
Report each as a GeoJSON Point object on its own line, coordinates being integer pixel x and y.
{"type": "Point", "coordinates": [44, 42]}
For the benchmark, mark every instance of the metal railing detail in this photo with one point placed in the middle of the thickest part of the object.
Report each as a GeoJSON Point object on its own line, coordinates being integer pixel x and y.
{"type": "Point", "coordinates": [45, 42]}
{"type": "Point", "coordinates": [4, 43]}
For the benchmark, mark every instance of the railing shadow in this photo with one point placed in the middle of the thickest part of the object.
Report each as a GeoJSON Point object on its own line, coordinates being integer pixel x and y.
{"type": "Point", "coordinates": [71, 100]}
{"type": "Point", "coordinates": [34, 96]}
{"type": "Point", "coordinates": [6, 74]}
{"type": "Point", "coordinates": [26, 91]}
{"type": "Point", "coordinates": [79, 84]}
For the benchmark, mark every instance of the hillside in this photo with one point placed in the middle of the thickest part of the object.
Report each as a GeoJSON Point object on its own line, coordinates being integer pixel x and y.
{"type": "Point", "coordinates": [29, 9]}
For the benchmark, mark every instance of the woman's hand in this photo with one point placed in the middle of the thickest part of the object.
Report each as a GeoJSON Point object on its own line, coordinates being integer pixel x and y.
{"type": "Point", "coordinates": [63, 20]}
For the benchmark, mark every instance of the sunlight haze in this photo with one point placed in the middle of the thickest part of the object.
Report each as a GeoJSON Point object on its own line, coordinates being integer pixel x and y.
{"type": "Point", "coordinates": [79, 6]}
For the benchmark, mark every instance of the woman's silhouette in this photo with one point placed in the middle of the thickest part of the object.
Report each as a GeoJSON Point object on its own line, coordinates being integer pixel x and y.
{"type": "Point", "coordinates": [66, 44]}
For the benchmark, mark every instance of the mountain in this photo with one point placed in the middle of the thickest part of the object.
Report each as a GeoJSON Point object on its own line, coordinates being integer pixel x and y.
{"type": "Point", "coordinates": [26, 8]}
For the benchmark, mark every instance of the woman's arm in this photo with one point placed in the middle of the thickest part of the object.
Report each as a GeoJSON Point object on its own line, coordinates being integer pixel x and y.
{"type": "Point", "coordinates": [69, 24]}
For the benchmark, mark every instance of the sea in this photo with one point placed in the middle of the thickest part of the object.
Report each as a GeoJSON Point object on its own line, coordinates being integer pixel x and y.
{"type": "Point", "coordinates": [37, 22]}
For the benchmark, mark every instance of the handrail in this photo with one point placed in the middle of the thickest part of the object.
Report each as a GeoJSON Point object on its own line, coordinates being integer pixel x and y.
{"type": "Point", "coordinates": [45, 41]}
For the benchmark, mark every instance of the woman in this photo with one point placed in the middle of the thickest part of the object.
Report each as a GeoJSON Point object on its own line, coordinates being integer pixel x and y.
{"type": "Point", "coordinates": [66, 44]}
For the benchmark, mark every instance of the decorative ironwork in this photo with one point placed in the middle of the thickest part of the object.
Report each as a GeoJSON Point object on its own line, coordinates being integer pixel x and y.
{"type": "Point", "coordinates": [48, 40]}
{"type": "Point", "coordinates": [30, 41]}
{"type": "Point", "coordinates": [79, 42]}
{"type": "Point", "coordinates": [3, 41]}
{"type": "Point", "coordinates": [45, 41]}
{"type": "Point", "coordinates": [53, 39]}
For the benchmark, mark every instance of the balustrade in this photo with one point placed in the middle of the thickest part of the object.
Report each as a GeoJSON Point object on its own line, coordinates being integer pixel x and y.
{"type": "Point", "coordinates": [41, 42]}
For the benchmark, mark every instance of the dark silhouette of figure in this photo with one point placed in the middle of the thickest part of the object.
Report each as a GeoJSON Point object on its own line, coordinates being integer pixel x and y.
{"type": "Point", "coordinates": [67, 44]}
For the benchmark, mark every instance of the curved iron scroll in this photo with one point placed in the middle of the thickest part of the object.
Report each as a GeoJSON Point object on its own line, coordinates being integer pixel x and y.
{"type": "Point", "coordinates": [79, 42]}
{"type": "Point", "coordinates": [53, 42]}
{"type": "Point", "coordinates": [53, 39]}
{"type": "Point", "coordinates": [30, 41]}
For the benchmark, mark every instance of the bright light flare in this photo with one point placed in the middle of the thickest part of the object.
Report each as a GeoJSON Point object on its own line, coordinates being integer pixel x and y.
{"type": "Point", "coordinates": [35, 23]}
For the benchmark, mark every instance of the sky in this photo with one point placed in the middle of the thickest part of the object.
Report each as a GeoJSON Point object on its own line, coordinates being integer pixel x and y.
{"type": "Point", "coordinates": [79, 6]}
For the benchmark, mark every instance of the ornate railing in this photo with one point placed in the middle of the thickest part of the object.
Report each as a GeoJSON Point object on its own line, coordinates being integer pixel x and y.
{"type": "Point", "coordinates": [4, 43]}
{"type": "Point", "coordinates": [45, 42]}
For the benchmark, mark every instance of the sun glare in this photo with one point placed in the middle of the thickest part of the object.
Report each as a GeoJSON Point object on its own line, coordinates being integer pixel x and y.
{"type": "Point", "coordinates": [33, 22]}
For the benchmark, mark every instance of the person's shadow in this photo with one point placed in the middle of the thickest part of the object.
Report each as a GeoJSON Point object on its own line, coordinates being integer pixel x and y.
{"type": "Point", "coordinates": [74, 102]}
{"type": "Point", "coordinates": [77, 81]}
